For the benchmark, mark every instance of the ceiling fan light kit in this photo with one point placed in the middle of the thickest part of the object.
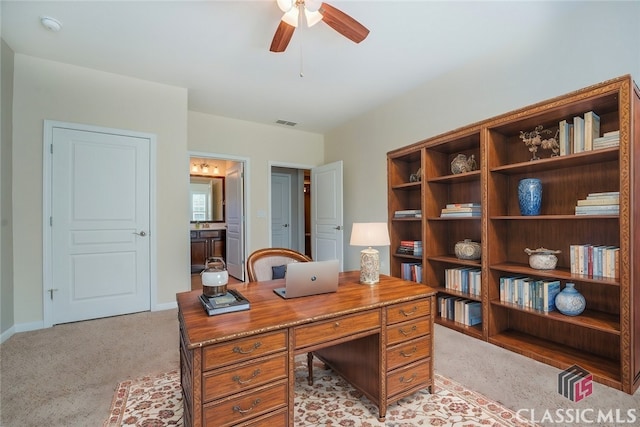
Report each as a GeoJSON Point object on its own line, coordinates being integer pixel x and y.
{"type": "Point", "coordinates": [314, 12]}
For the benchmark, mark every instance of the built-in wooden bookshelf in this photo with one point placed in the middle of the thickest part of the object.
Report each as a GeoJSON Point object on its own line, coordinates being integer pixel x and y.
{"type": "Point", "coordinates": [605, 338]}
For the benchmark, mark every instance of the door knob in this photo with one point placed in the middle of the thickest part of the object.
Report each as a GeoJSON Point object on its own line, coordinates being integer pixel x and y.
{"type": "Point", "coordinates": [285, 225]}
{"type": "Point", "coordinates": [141, 234]}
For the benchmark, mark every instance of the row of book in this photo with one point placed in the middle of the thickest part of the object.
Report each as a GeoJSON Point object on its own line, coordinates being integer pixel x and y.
{"type": "Point", "coordinates": [461, 210]}
{"type": "Point", "coordinates": [410, 247]}
{"type": "Point", "coordinates": [460, 310]}
{"type": "Point", "coordinates": [606, 203]}
{"type": "Point", "coordinates": [408, 213]}
{"type": "Point", "coordinates": [530, 293]}
{"type": "Point", "coordinates": [463, 279]}
{"type": "Point", "coordinates": [583, 134]}
{"type": "Point", "coordinates": [411, 271]}
{"type": "Point", "coordinates": [595, 260]}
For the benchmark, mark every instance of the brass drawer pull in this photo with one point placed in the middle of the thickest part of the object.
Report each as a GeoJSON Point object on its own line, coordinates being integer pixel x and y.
{"type": "Point", "coordinates": [409, 313]}
{"type": "Point", "coordinates": [406, 333]}
{"type": "Point", "coordinates": [413, 351]}
{"type": "Point", "coordinates": [251, 350]}
{"type": "Point", "coordinates": [251, 408]}
{"type": "Point", "coordinates": [336, 325]}
{"type": "Point", "coordinates": [237, 378]}
{"type": "Point", "coordinates": [413, 377]}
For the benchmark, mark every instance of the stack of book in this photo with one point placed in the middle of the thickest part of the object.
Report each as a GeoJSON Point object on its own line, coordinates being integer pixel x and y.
{"type": "Point", "coordinates": [595, 261]}
{"type": "Point", "coordinates": [460, 310]}
{"type": "Point", "coordinates": [608, 139]}
{"type": "Point", "coordinates": [607, 203]}
{"type": "Point", "coordinates": [461, 210]}
{"type": "Point", "coordinates": [584, 135]}
{"type": "Point", "coordinates": [408, 213]}
{"type": "Point", "coordinates": [412, 271]}
{"type": "Point", "coordinates": [463, 279]}
{"type": "Point", "coordinates": [530, 293]}
{"type": "Point", "coordinates": [410, 247]}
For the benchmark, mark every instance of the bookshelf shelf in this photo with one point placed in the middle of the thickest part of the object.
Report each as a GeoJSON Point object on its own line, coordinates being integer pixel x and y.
{"type": "Point", "coordinates": [605, 339]}
{"type": "Point", "coordinates": [604, 370]}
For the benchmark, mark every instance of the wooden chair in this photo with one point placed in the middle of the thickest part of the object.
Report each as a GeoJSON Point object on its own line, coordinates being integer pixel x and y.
{"type": "Point", "coordinates": [261, 262]}
{"type": "Point", "coordinates": [260, 268]}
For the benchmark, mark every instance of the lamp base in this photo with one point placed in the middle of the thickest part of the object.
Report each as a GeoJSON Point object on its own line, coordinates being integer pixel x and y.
{"type": "Point", "coordinates": [369, 266]}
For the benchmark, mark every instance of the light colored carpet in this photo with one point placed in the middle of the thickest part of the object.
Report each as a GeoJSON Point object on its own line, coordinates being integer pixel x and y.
{"type": "Point", "coordinates": [66, 375]}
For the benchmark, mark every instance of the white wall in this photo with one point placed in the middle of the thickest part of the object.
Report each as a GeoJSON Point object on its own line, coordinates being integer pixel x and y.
{"type": "Point", "coordinates": [261, 144]}
{"type": "Point", "coordinates": [6, 217]}
{"type": "Point", "coordinates": [599, 42]}
{"type": "Point", "coordinates": [51, 90]}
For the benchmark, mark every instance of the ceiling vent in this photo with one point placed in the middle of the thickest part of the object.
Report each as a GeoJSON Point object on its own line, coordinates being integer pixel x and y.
{"type": "Point", "coordinates": [285, 122]}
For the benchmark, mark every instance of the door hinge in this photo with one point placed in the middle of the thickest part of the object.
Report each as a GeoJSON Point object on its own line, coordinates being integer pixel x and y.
{"type": "Point", "coordinates": [51, 291]}
{"type": "Point", "coordinates": [50, 221]}
{"type": "Point", "coordinates": [51, 148]}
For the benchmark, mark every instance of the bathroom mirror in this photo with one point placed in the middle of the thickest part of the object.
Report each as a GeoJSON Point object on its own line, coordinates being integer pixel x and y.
{"type": "Point", "coordinates": [206, 199]}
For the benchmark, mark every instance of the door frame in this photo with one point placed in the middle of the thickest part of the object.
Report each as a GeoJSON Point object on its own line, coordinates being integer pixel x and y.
{"type": "Point", "coordinates": [246, 191]}
{"type": "Point", "coordinates": [47, 238]}
{"type": "Point", "coordinates": [300, 237]}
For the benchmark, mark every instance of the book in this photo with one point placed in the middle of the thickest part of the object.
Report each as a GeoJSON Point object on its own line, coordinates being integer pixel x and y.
{"type": "Point", "coordinates": [550, 288]}
{"type": "Point", "coordinates": [614, 200]}
{"type": "Point", "coordinates": [471, 209]}
{"type": "Point", "coordinates": [591, 129]}
{"type": "Point", "coordinates": [603, 194]}
{"type": "Point", "coordinates": [462, 205]}
{"type": "Point", "coordinates": [459, 214]}
{"type": "Point", "coordinates": [578, 134]}
{"type": "Point", "coordinates": [565, 133]}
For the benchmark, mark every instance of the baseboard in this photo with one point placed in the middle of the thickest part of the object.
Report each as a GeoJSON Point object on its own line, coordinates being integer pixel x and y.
{"type": "Point", "coordinates": [165, 306]}
{"type": "Point", "coordinates": [7, 334]}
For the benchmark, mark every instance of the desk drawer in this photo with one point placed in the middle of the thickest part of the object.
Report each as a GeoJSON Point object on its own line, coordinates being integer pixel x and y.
{"type": "Point", "coordinates": [335, 329]}
{"type": "Point", "coordinates": [411, 377]}
{"type": "Point", "coordinates": [408, 330]}
{"type": "Point", "coordinates": [242, 349]}
{"type": "Point", "coordinates": [244, 407]}
{"type": "Point", "coordinates": [410, 310]}
{"type": "Point", "coordinates": [234, 379]}
{"type": "Point", "coordinates": [408, 352]}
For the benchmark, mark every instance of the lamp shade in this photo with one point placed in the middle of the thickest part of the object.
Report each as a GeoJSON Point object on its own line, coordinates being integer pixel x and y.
{"type": "Point", "coordinates": [369, 234]}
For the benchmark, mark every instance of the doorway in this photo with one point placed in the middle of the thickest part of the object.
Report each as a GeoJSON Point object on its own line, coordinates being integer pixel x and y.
{"type": "Point", "coordinates": [221, 233]}
{"type": "Point", "coordinates": [291, 209]}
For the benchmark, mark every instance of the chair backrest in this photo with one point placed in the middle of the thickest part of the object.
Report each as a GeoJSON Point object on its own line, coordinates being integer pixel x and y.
{"type": "Point", "coordinates": [260, 262]}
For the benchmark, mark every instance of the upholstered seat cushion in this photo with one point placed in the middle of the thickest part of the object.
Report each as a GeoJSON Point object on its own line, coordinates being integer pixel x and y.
{"type": "Point", "coordinates": [263, 267]}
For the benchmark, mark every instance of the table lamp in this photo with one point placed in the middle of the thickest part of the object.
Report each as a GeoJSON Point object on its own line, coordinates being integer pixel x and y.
{"type": "Point", "coordinates": [369, 234]}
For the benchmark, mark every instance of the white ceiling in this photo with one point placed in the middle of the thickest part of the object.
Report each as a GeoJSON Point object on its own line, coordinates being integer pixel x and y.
{"type": "Point", "coordinates": [219, 50]}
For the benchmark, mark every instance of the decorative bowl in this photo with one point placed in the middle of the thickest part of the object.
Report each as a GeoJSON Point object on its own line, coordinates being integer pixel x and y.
{"type": "Point", "coordinates": [542, 258]}
{"type": "Point", "coordinates": [468, 249]}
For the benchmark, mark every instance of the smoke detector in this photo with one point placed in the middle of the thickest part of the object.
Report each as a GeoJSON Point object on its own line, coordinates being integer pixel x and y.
{"type": "Point", "coordinates": [50, 23]}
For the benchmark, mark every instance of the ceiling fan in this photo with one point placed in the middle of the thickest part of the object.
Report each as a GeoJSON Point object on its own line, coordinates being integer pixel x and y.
{"type": "Point", "coordinates": [314, 12]}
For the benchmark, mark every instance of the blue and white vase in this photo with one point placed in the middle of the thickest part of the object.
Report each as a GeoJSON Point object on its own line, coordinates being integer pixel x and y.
{"type": "Point", "coordinates": [530, 196]}
{"type": "Point", "coordinates": [569, 301]}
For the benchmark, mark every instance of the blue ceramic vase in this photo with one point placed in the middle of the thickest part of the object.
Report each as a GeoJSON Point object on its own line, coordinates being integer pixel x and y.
{"type": "Point", "coordinates": [569, 301]}
{"type": "Point", "coordinates": [530, 196]}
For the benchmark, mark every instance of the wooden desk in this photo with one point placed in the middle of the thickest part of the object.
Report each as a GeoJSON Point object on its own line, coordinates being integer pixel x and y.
{"type": "Point", "coordinates": [238, 368]}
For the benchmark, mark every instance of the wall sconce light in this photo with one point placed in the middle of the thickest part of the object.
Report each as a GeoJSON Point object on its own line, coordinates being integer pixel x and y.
{"type": "Point", "coordinates": [204, 168]}
{"type": "Point", "coordinates": [369, 234]}
{"type": "Point", "coordinates": [194, 168]}
{"type": "Point", "coordinates": [216, 171]}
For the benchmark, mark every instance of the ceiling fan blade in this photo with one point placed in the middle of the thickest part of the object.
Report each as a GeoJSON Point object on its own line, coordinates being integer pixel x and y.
{"type": "Point", "coordinates": [343, 23]}
{"type": "Point", "coordinates": [282, 37]}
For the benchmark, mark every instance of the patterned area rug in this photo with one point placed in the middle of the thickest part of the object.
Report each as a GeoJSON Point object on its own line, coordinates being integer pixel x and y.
{"type": "Point", "coordinates": [330, 401]}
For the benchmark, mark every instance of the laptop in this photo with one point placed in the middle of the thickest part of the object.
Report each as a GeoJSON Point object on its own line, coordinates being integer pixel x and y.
{"type": "Point", "coordinates": [309, 278]}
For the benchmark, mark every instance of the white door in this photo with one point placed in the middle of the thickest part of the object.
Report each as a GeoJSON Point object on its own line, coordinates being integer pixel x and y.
{"type": "Point", "coordinates": [327, 230]}
{"type": "Point", "coordinates": [281, 210]}
{"type": "Point", "coordinates": [234, 195]}
{"type": "Point", "coordinates": [100, 210]}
